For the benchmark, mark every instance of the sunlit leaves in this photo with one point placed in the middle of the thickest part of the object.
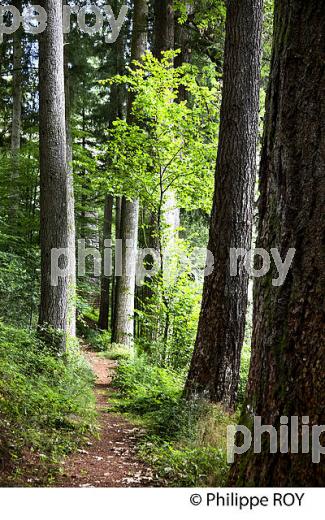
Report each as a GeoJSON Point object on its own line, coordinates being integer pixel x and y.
{"type": "Point", "coordinates": [169, 144]}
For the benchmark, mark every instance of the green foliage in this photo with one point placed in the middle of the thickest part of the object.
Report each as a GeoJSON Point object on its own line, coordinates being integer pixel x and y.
{"type": "Point", "coordinates": [46, 401]}
{"type": "Point", "coordinates": [185, 441]}
{"type": "Point", "coordinates": [244, 372]}
{"type": "Point", "coordinates": [171, 314]}
{"type": "Point", "coordinates": [19, 251]}
{"type": "Point", "coordinates": [98, 340]}
{"type": "Point", "coordinates": [117, 352]}
{"type": "Point", "coordinates": [19, 284]}
{"type": "Point", "coordinates": [187, 467]}
{"type": "Point", "coordinates": [245, 357]}
{"type": "Point", "coordinates": [168, 319]}
{"type": "Point", "coordinates": [195, 227]}
{"type": "Point", "coordinates": [267, 40]}
{"type": "Point", "coordinates": [205, 22]}
{"type": "Point", "coordinates": [210, 13]}
{"type": "Point", "coordinates": [165, 155]}
{"type": "Point", "coordinates": [168, 144]}
{"type": "Point", "coordinates": [87, 319]}
{"type": "Point", "coordinates": [145, 388]}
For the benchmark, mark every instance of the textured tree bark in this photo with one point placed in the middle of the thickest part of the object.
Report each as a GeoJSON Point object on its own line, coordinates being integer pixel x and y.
{"type": "Point", "coordinates": [105, 280]}
{"type": "Point", "coordinates": [182, 43]}
{"type": "Point", "coordinates": [214, 371]}
{"type": "Point", "coordinates": [124, 330]}
{"type": "Point", "coordinates": [115, 292]}
{"type": "Point", "coordinates": [54, 192]}
{"type": "Point", "coordinates": [71, 203]}
{"type": "Point", "coordinates": [125, 303]}
{"type": "Point", "coordinates": [288, 347]}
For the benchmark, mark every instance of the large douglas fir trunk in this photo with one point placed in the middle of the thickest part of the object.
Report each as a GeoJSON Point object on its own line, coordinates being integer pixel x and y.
{"type": "Point", "coordinates": [214, 371]}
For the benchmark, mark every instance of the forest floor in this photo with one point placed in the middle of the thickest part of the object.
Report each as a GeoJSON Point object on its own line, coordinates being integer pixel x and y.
{"type": "Point", "coordinates": [109, 460]}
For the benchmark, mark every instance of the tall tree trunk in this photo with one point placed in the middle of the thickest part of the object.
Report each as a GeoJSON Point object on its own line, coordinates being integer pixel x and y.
{"type": "Point", "coordinates": [183, 44]}
{"type": "Point", "coordinates": [125, 304]}
{"type": "Point", "coordinates": [16, 109]}
{"type": "Point", "coordinates": [71, 202]}
{"type": "Point", "coordinates": [288, 354]}
{"type": "Point", "coordinates": [105, 279]}
{"type": "Point", "coordinates": [214, 371]}
{"type": "Point", "coordinates": [54, 172]}
{"type": "Point", "coordinates": [130, 209]}
{"type": "Point", "coordinates": [117, 279]}
{"type": "Point", "coordinates": [163, 26]}
{"type": "Point", "coordinates": [116, 110]}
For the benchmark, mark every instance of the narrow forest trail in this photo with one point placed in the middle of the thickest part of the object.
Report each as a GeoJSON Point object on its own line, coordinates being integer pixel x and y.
{"type": "Point", "coordinates": [110, 460]}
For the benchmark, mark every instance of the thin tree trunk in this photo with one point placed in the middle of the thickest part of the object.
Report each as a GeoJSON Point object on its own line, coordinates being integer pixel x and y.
{"type": "Point", "coordinates": [115, 296]}
{"type": "Point", "coordinates": [163, 40]}
{"type": "Point", "coordinates": [116, 110]}
{"type": "Point", "coordinates": [105, 280]}
{"type": "Point", "coordinates": [130, 209]}
{"type": "Point", "coordinates": [214, 371]}
{"type": "Point", "coordinates": [71, 203]}
{"type": "Point", "coordinates": [182, 43]}
{"type": "Point", "coordinates": [288, 348]}
{"type": "Point", "coordinates": [54, 172]}
{"type": "Point", "coordinates": [125, 304]}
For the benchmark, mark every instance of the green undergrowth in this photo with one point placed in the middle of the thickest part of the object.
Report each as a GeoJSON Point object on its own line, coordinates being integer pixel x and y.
{"type": "Point", "coordinates": [47, 405]}
{"type": "Point", "coordinates": [100, 340]}
{"type": "Point", "coordinates": [117, 352]}
{"type": "Point", "coordinates": [185, 442]}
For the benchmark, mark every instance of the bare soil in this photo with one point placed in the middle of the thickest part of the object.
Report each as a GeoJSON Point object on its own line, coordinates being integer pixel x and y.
{"type": "Point", "coordinates": [109, 460]}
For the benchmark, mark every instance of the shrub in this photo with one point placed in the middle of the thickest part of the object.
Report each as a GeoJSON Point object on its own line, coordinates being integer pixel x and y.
{"type": "Point", "coordinates": [46, 400]}
{"type": "Point", "coordinates": [185, 466]}
{"type": "Point", "coordinates": [146, 388]}
{"type": "Point", "coordinates": [185, 440]}
{"type": "Point", "coordinates": [99, 340]}
{"type": "Point", "coordinates": [170, 316]}
{"type": "Point", "coordinates": [117, 352]}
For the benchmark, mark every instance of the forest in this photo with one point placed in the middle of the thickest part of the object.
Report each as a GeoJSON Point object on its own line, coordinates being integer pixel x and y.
{"type": "Point", "coordinates": [162, 187]}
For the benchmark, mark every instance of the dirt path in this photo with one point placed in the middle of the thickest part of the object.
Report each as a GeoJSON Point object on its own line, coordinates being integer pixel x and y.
{"type": "Point", "coordinates": [109, 461]}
